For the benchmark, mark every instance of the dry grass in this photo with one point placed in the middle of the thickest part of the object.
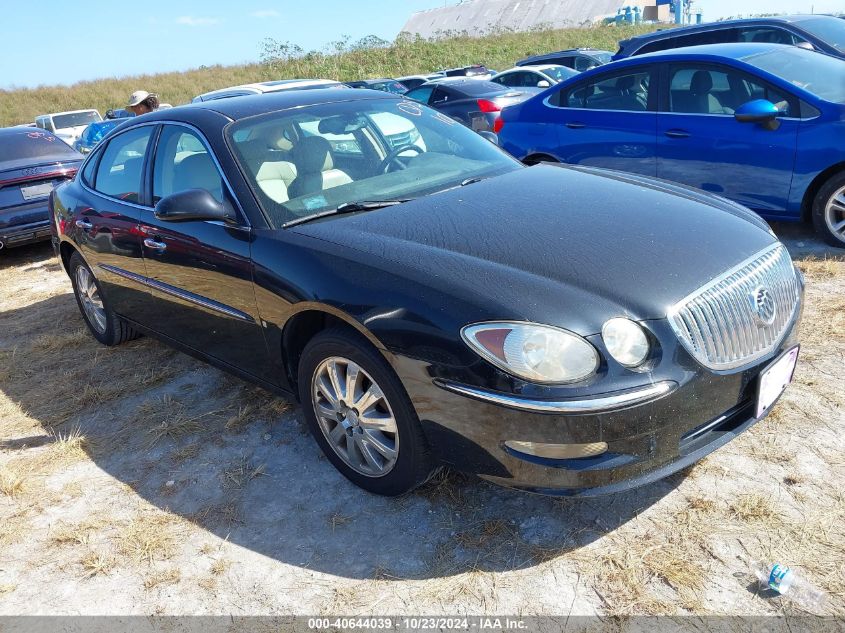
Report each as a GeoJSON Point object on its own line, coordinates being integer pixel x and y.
{"type": "Point", "coordinates": [220, 566]}
{"type": "Point", "coordinates": [821, 269]}
{"type": "Point", "coordinates": [337, 520]}
{"type": "Point", "coordinates": [169, 576]}
{"type": "Point", "coordinates": [78, 533]}
{"type": "Point", "coordinates": [7, 588]}
{"type": "Point", "coordinates": [752, 507]}
{"type": "Point", "coordinates": [242, 472]}
{"type": "Point", "coordinates": [151, 536]}
{"type": "Point", "coordinates": [11, 482]}
{"type": "Point", "coordinates": [96, 564]}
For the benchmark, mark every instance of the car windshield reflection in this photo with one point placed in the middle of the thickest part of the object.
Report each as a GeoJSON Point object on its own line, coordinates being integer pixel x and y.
{"type": "Point", "coordinates": [304, 162]}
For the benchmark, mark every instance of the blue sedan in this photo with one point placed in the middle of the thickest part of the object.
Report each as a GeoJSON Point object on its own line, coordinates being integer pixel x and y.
{"type": "Point", "coordinates": [761, 124]}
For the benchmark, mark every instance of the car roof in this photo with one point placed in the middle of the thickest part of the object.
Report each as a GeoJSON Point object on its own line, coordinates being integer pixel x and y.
{"type": "Point", "coordinates": [273, 86]}
{"type": "Point", "coordinates": [734, 50]}
{"type": "Point", "coordinates": [712, 26]}
{"type": "Point", "coordinates": [70, 112]}
{"type": "Point", "coordinates": [22, 129]}
{"type": "Point", "coordinates": [250, 105]}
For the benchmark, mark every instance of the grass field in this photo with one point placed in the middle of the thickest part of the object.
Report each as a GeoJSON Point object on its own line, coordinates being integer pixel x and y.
{"type": "Point", "coordinates": [344, 60]}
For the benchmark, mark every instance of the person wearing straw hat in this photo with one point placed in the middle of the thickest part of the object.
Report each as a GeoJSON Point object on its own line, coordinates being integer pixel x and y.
{"type": "Point", "coordinates": [141, 102]}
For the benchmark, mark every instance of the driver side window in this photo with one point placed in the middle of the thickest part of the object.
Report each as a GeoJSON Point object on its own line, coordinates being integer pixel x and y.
{"type": "Point", "coordinates": [183, 162]}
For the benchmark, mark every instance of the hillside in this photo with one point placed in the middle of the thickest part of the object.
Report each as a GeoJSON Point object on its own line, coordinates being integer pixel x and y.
{"type": "Point", "coordinates": [342, 60]}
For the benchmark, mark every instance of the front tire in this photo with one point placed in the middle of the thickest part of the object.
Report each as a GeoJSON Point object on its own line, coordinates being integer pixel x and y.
{"type": "Point", "coordinates": [360, 415]}
{"type": "Point", "coordinates": [829, 211]}
{"type": "Point", "coordinates": [108, 328]}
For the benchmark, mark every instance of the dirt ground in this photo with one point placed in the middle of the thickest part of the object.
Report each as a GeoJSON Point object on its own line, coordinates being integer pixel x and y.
{"type": "Point", "coordinates": [136, 480]}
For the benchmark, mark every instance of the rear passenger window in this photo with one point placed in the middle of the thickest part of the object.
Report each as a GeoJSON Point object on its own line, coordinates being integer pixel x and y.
{"type": "Point", "coordinates": [621, 92]}
{"type": "Point", "coordinates": [119, 171]}
{"type": "Point", "coordinates": [768, 34]}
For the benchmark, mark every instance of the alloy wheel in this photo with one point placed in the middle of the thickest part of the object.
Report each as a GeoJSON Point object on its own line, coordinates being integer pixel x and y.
{"type": "Point", "coordinates": [355, 417]}
{"type": "Point", "coordinates": [89, 297]}
{"type": "Point", "coordinates": [834, 214]}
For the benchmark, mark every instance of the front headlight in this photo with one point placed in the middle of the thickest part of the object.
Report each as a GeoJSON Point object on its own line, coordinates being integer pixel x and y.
{"type": "Point", "coordinates": [626, 341]}
{"type": "Point", "coordinates": [539, 353]}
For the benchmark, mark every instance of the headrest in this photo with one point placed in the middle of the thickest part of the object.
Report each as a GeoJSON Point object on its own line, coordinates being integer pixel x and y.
{"type": "Point", "coordinates": [197, 171]}
{"type": "Point", "coordinates": [625, 83]}
{"type": "Point", "coordinates": [312, 155]}
{"type": "Point", "coordinates": [702, 83]}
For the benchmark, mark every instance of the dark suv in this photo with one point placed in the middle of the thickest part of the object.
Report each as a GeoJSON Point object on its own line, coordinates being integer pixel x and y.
{"type": "Point", "coordinates": [577, 58]}
{"type": "Point", "coordinates": [819, 32]}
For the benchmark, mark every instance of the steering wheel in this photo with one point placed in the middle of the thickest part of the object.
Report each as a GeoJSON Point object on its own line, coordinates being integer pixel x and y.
{"type": "Point", "coordinates": [392, 156]}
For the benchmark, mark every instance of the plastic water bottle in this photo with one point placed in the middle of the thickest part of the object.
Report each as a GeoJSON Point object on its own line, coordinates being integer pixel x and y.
{"type": "Point", "coordinates": [784, 581]}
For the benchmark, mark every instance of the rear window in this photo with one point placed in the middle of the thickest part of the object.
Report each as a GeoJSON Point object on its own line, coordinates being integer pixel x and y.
{"type": "Point", "coordinates": [75, 118]}
{"type": "Point", "coordinates": [33, 144]}
{"type": "Point", "coordinates": [477, 88]}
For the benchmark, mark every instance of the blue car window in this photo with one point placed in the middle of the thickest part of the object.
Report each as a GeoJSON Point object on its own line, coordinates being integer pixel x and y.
{"type": "Point", "coordinates": [620, 92]}
{"type": "Point", "coordinates": [701, 90]}
{"type": "Point", "coordinates": [768, 34]}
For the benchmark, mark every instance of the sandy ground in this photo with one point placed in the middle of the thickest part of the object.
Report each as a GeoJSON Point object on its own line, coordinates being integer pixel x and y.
{"type": "Point", "coordinates": [136, 480]}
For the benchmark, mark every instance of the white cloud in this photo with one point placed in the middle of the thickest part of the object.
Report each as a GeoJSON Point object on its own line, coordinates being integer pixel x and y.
{"type": "Point", "coordinates": [192, 20]}
{"type": "Point", "coordinates": [266, 13]}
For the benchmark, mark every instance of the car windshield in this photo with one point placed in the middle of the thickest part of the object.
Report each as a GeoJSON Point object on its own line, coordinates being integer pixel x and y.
{"type": "Point", "coordinates": [308, 161]}
{"type": "Point", "coordinates": [828, 29]}
{"type": "Point", "coordinates": [34, 144]}
{"type": "Point", "coordinates": [603, 56]}
{"type": "Point", "coordinates": [389, 86]}
{"type": "Point", "coordinates": [805, 69]}
{"type": "Point", "coordinates": [73, 119]}
{"type": "Point", "coordinates": [559, 73]}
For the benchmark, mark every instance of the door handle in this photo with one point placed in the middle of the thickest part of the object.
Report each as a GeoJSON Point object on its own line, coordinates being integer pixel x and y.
{"type": "Point", "coordinates": [154, 245]}
{"type": "Point", "coordinates": [84, 225]}
{"type": "Point", "coordinates": [576, 125]}
{"type": "Point", "coordinates": [677, 134]}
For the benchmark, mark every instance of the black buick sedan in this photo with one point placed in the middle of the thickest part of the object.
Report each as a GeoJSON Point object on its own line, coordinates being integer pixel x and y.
{"type": "Point", "coordinates": [561, 330]}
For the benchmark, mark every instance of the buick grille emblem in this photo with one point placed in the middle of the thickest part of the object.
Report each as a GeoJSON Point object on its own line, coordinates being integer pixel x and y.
{"type": "Point", "coordinates": [763, 306]}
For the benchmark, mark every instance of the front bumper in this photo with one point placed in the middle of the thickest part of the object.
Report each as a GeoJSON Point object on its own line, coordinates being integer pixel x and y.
{"type": "Point", "coordinates": [685, 413]}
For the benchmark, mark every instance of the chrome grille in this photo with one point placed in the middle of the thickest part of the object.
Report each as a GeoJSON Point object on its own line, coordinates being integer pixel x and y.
{"type": "Point", "coordinates": [728, 322]}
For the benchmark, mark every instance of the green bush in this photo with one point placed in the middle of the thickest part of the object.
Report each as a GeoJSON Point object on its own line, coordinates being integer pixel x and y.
{"type": "Point", "coordinates": [344, 60]}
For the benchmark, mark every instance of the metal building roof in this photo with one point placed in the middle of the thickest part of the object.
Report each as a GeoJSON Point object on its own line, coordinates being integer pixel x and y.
{"type": "Point", "coordinates": [481, 16]}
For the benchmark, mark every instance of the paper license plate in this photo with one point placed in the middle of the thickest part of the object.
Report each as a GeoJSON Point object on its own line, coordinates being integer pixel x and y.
{"type": "Point", "coordinates": [37, 191]}
{"type": "Point", "coordinates": [775, 379]}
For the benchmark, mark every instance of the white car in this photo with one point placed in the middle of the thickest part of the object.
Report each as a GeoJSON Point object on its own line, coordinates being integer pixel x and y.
{"type": "Point", "coordinates": [541, 76]}
{"type": "Point", "coordinates": [68, 126]}
{"type": "Point", "coordinates": [267, 87]}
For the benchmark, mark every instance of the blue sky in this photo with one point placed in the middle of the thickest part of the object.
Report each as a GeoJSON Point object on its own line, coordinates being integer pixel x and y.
{"type": "Point", "coordinates": [70, 40]}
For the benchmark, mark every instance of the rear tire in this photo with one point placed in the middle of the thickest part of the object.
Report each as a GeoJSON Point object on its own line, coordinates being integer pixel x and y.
{"type": "Point", "coordinates": [829, 211]}
{"type": "Point", "coordinates": [108, 328]}
{"type": "Point", "coordinates": [360, 414]}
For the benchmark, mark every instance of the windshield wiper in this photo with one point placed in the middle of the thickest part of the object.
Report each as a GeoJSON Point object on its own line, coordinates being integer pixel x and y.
{"type": "Point", "coordinates": [470, 181]}
{"type": "Point", "coordinates": [348, 207]}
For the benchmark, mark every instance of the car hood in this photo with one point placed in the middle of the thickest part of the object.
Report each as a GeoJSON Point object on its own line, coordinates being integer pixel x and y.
{"type": "Point", "coordinates": [564, 245]}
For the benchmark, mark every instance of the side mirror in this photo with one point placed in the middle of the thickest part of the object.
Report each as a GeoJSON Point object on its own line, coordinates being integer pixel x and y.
{"type": "Point", "coordinates": [490, 136]}
{"type": "Point", "coordinates": [192, 204]}
{"type": "Point", "coordinates": [758, 111]}
{"type": "Point", "coordinates": [543, 84]}
{"type": "Point", "coordinates": [805, 45]}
